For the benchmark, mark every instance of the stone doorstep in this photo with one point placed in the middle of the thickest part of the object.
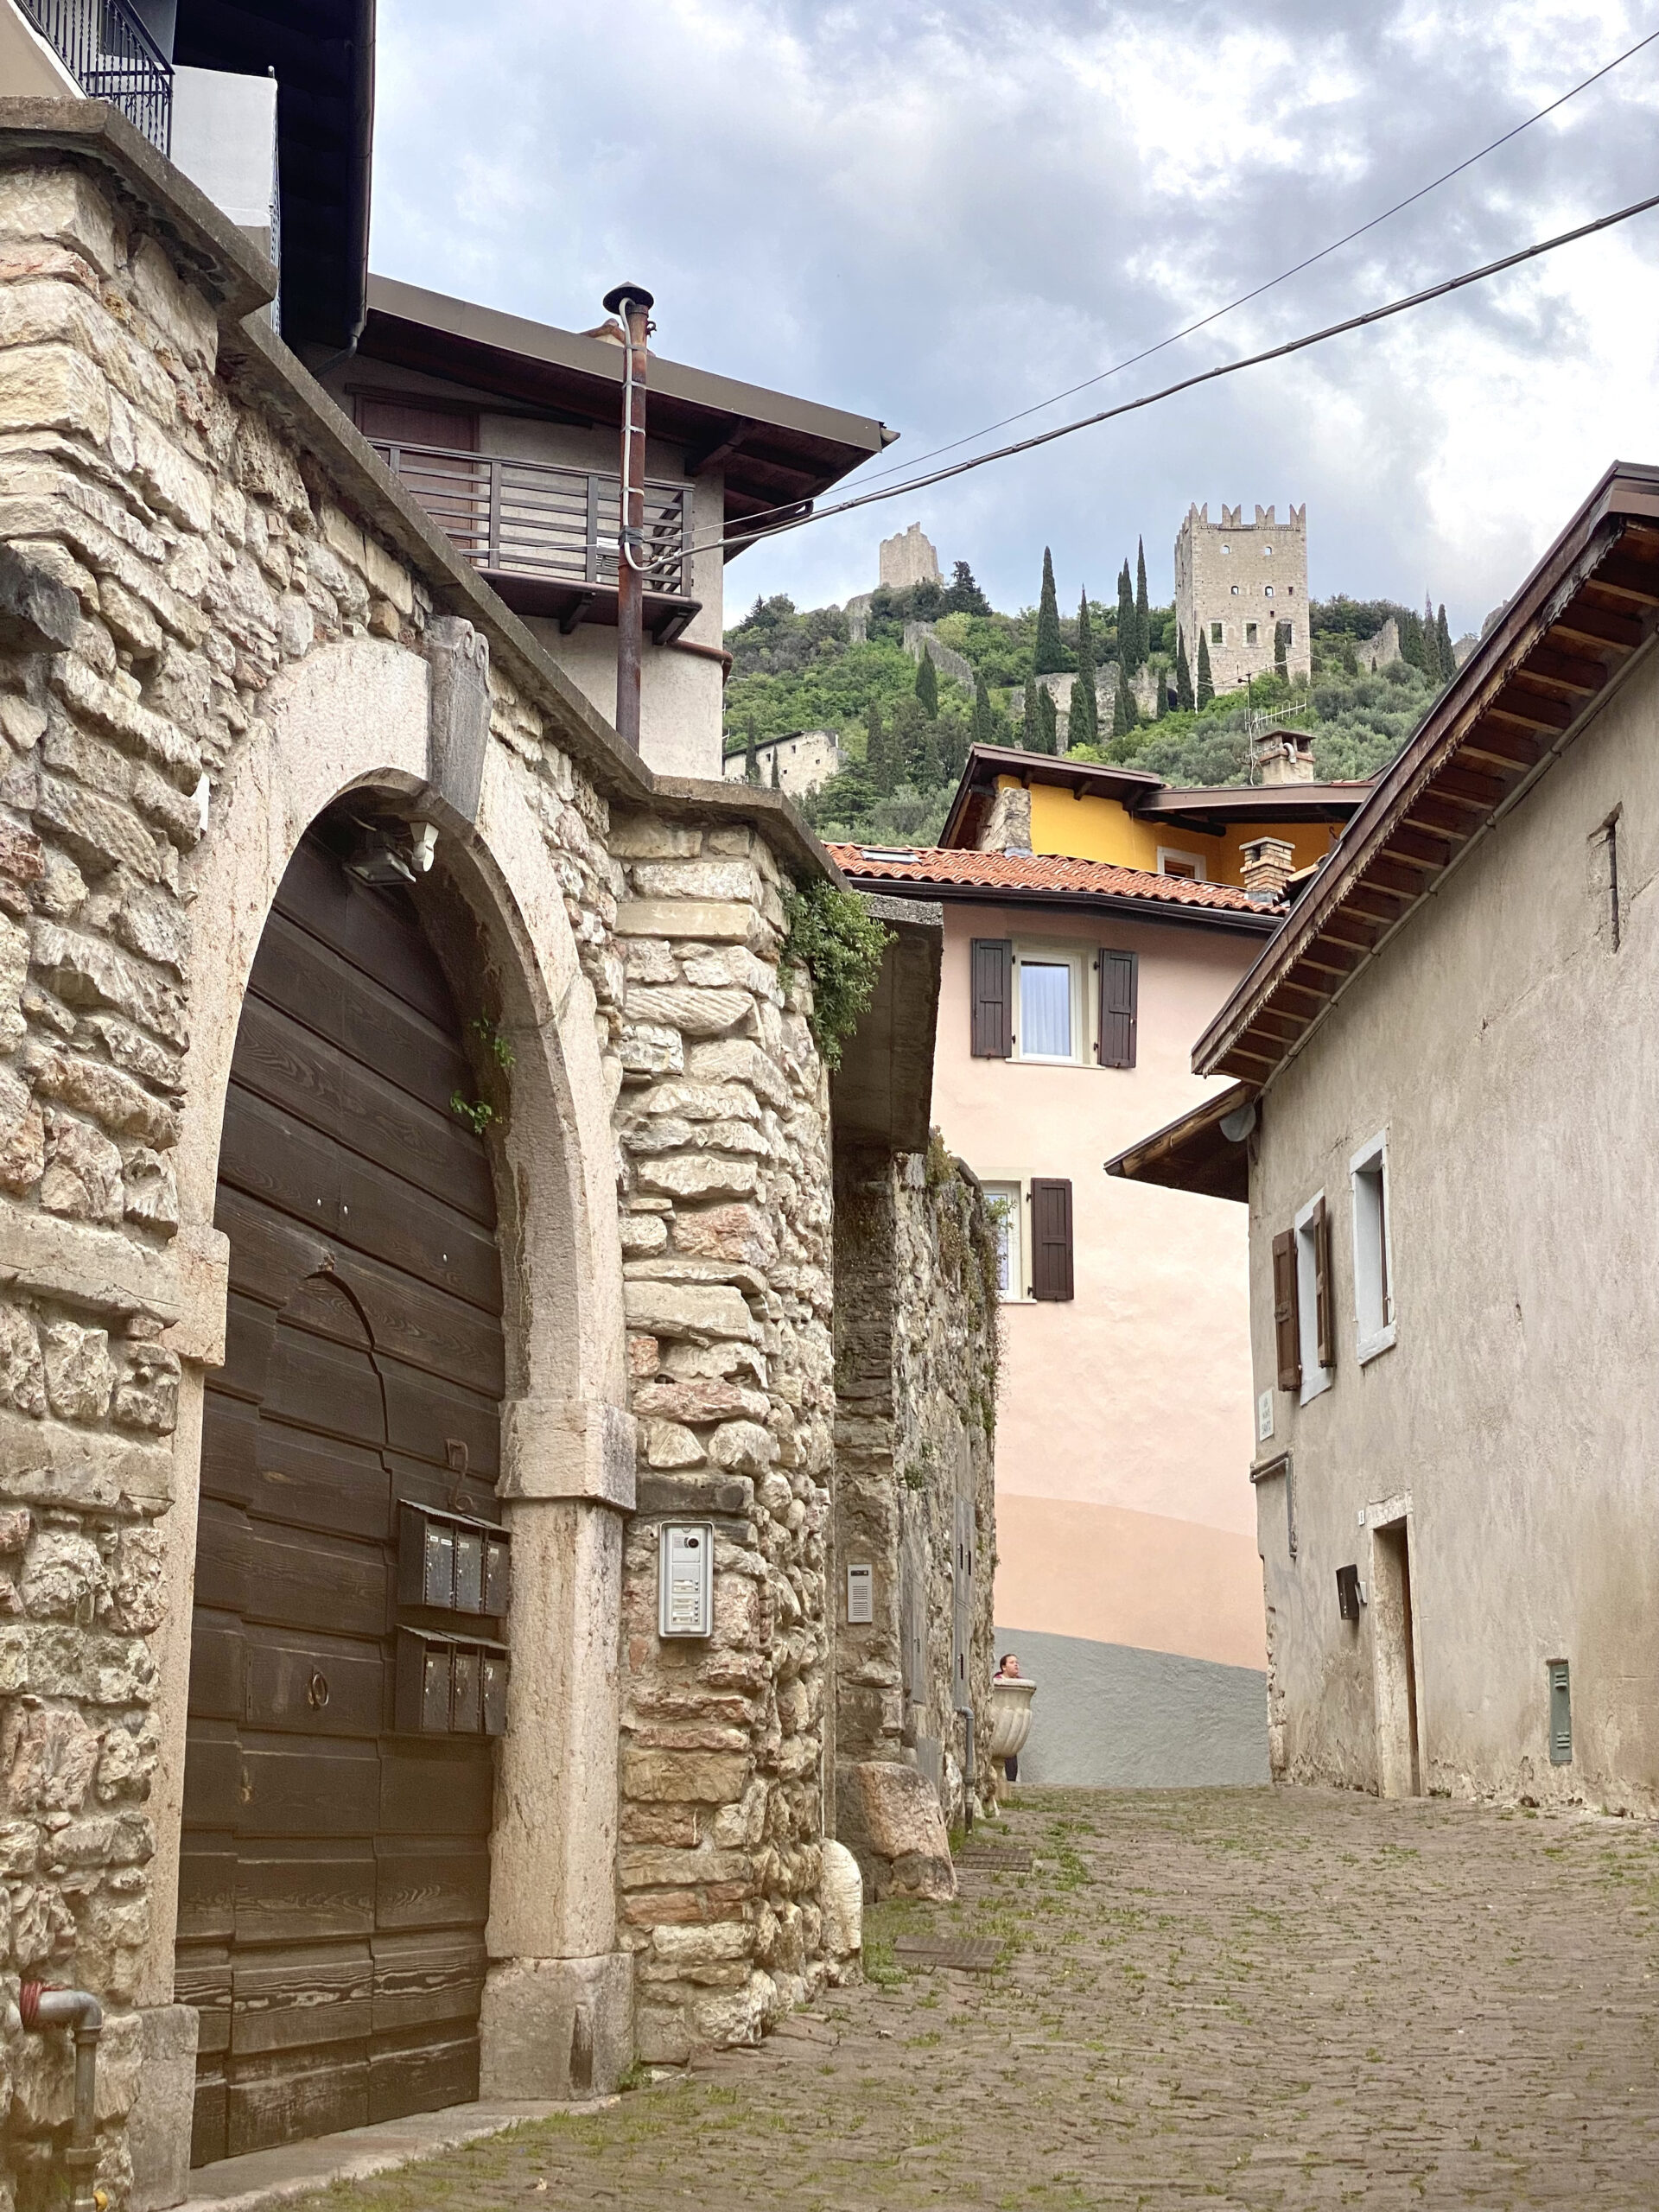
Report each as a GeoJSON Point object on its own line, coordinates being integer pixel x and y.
{"type": "Point", "coordinates": [265, 2177]}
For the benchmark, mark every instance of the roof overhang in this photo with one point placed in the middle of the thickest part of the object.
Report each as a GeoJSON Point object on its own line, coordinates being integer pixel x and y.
{"type": "Point", "coordinates": [322, 57]}
{"type": "Point", "coordinates": [1225, 805]}
{"type": "Point", "coordinates": [1254, 922]}
{"type": "Point", "coordinates": [1206, 1151]}
{"type": "Point", "coordinates": [882, 1092]}
{"type": "Point", "coordinates": [774, 452]}
{"type": "Point", "coordinates": [1567, 638]}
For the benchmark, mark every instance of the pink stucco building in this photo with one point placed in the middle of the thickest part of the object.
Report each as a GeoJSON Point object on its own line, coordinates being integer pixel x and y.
{"type": "Point", "coordinates": [1095, 920]}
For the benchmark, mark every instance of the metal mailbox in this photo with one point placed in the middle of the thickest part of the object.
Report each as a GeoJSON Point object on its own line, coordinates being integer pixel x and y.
{"type": "Point", "coordinates": [450, 1562]}
{"type": "Point", "coordinates": [450, 1685]}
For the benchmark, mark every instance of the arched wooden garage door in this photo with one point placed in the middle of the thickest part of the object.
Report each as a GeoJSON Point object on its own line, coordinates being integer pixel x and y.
{"type": "Point", "coordinates": [335, 1872]}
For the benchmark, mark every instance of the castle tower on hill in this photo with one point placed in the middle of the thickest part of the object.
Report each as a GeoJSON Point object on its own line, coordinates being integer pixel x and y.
{"type": "Point", "coordinates": [1239, 585]}
{"type": "Point", "coordinates": [908, 558]}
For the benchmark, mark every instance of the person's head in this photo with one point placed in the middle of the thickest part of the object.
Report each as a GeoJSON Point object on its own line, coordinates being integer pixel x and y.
{"type": "Point", "coordinates": [1008, 1664]}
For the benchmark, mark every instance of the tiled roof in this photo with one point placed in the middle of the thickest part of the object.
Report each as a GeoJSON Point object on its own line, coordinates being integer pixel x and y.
{"type": "Point", "coordinates": [927, 864]}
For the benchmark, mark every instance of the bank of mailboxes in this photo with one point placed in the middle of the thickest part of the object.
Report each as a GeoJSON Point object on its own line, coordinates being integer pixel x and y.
{"type": "Point", "coordinates": [451, 1683]}
{"type": "Point", "coordinates": [452, 1563]}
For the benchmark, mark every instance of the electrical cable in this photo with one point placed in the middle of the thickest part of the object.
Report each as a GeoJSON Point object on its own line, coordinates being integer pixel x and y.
{"type": "Point", "coordinates": [748, 534]}
{"type": "Point", "coordinates": [1245, 298]}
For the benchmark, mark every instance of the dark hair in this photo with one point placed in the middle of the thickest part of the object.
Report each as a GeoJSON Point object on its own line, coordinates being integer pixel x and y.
{"type": "Point", "coordinates": [1007, 1656]}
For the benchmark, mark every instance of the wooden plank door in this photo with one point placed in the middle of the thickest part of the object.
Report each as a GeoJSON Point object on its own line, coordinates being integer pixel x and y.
{"type": "Point", "coordinates": [335, 1872]}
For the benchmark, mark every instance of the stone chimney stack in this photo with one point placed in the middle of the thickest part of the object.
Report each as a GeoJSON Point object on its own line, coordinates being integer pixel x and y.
{"type": "Point", "coordinates": [1268, 863]}
{"type": "Point", "coordinates": [1282, 756]}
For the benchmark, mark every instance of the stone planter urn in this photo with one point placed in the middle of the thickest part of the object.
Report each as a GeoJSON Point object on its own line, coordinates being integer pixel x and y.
{"type": "Point", "coordinates": [1010, 1715]}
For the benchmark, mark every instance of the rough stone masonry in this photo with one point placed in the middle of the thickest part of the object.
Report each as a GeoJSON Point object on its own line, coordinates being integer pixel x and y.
{"type": "Point", "coordinates": [217, 612]}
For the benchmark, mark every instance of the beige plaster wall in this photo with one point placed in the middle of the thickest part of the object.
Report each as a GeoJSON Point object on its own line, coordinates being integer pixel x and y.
{"type": "Point", "coordinates": [1511, 1055]}
{"type": "Point", "coordinates": [1123, 1424]}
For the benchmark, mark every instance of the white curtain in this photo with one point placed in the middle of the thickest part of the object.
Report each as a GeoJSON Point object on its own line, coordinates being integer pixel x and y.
{"type": "Point", "coordinates": [1044, 1010]}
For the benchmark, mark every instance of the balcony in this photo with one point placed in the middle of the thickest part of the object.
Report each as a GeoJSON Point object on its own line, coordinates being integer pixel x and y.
{"type": "Point", "coordinates": [546, 537]}
{"type": "Point", "coordinates": [112, 57]}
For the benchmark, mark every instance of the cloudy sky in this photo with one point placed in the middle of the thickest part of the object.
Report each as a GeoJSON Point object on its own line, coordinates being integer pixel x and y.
{"type": "Point", "coordinates": [943, 215]}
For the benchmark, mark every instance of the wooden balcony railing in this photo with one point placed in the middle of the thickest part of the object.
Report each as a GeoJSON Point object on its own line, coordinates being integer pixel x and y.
{"type": "Point", "coordinates": [546, 536]}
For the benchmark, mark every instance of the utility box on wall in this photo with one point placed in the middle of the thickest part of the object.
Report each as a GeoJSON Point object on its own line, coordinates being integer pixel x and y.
{"type": "Point", "coordinates": [685, 1579]}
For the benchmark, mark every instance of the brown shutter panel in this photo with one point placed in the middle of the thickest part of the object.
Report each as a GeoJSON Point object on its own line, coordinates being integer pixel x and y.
{"type": "Point", "coordinates": [991, 982]}
{"type": "Point", "coordinates": [1324, 1287]}
{"type": "Point", "coordinates": [1051, 1238]}
{"type": "Point", "coordinates": [1287, 1328]}
{"type": "Point", "coordinates": [1119, 979]}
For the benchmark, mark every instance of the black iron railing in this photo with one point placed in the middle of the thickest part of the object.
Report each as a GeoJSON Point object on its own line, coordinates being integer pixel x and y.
{"type": "Point", "coordinates": [531, 518]}
{"type": "Point", "coordinates": [112, 57]}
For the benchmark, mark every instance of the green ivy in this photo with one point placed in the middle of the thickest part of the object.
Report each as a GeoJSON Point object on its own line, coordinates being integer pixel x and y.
{"type": "Point", "coordinates": [831, 936]}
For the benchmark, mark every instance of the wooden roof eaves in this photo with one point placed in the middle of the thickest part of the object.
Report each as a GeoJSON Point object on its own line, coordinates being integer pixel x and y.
{"type": "Point", "coordinates": [1400, 820]}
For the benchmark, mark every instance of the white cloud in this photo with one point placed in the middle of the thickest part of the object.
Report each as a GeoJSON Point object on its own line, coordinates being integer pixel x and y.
{"type": "Point", "coordinates": [943, 215]}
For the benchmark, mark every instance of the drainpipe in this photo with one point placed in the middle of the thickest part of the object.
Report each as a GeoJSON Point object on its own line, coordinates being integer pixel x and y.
{"type": "Point", "coordinates": [39, 2007]}
{"type": "Point", "coordinates": [633, 303]}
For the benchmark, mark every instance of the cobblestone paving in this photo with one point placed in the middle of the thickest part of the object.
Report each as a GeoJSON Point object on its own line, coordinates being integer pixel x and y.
{"type": "Point", "coordinates": [1253, 1999]}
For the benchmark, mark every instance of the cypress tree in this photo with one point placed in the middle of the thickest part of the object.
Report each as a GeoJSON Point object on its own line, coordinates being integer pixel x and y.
{"type": "Point", "coordinates": [930, 767]}
{"type": "Point", "coordinates": [1124, 713]}
{"type": "Point", "coordinates": [1281, 667]}
{"type": "Point", "coordinates": [1431, 667]}
{"type": "Point", "coordinates": [1206, 690]}
{"type": "Point", "coordinates": [1443, 638]}
{"type": "Point", "coordinates": [1048, 652]}
{"type": "Point", "coordinates": [1142, 606]}
{"type": "Point", "coordinates": [777, 780]}
{"type": "Point", "coordinates": [927, 685]}
{"type": "Point", "coordinates": [909, 728]}
{"type": "Point", "coordinates": [1183, 676]}
{"type": "Point", "coordinates": [953, 746]}
{"type": "Point", "coordinates": [878, 759]}
{"type": "Point", "coordinates": [1084, 727]}
{"type": "Point", "coordinates": [1047, 740]}
{"type": "Point", "coordinates": [1126, 636]}
{"type": "Point", "coordinates": [985, 716]}
{"type": "Point", "coordinates": [1161, 694]}
{"type": "Point", "coordinates": [1030, 725]}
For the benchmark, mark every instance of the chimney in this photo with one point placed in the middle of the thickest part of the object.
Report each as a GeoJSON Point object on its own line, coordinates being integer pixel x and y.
{"type": "Point", "coordinates": [1282, 756]}
{"type": "Point", "coordinates": [1268, 863]}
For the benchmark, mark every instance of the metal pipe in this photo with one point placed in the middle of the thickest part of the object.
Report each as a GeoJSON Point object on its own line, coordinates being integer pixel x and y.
{"type": "Point", "coordinates": [39, 2006]}
{"type": "Point", "coordinates": [633, 303]}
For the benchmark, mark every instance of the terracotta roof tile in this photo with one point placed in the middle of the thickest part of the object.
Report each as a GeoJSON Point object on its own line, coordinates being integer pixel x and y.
{"type": "Point", "coordinates": [1037, 872]}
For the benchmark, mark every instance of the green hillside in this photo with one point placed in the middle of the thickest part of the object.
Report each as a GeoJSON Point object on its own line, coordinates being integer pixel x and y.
{"type": "Point", "coordinates": [907, 730]}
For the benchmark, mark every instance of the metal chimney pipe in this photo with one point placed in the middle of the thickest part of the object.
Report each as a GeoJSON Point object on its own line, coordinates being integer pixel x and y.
{"type": "Point", "coordinates": [633, 303]}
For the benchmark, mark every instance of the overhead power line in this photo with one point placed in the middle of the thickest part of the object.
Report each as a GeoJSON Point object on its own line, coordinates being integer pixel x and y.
{"type": "Point", "coordinates": [1245, 298]}
{"type": "Point", "coordinates": [757, 525]}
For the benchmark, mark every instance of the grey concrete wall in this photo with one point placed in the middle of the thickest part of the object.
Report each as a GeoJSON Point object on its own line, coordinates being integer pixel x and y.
{"type": "Point", "coordinates": [1511, 1053]}
{"type": "Point", "coordinates": [1107, 1716]}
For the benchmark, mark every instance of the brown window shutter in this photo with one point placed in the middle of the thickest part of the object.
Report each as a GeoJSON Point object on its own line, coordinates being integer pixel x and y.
{"type": "Point", "coordinates": [1051, 1238]}
{"type": "Point", "coordinates": [1119, 979]}
{"type": "Point", "coordinates": [1324, 1300]}
{"type": "Point", "coordinates": [991, 982]}
{"type": "Point", "coordinates": [1287, 1330]}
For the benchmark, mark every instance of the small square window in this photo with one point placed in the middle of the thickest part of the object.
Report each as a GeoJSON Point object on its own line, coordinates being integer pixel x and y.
{"type": "Point", "coordinates": [1235, 591]}
{"type": "Point", "coordinates": [1226, 549]}
{"type": "Point", "coordinates": [1215, 633]}
{"type": "Point", "coordinates": [1188, 866]}
{"type": "Point", "coordinates": [1250, 633]}
{"type": "Point", "coordinates": [1266, 550]}
{"type": "Point", "coordinates": [1003, 1200]}
{"type": "Point", "coordinates": [1267, 591]}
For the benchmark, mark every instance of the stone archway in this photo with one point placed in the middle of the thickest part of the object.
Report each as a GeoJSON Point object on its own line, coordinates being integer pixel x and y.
{"type": "Point", "coordinates": [357, 715]}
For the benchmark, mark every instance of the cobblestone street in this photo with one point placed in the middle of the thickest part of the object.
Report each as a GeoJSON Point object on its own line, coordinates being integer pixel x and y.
{"type": "Point", "coordinates": [1248, 1998]}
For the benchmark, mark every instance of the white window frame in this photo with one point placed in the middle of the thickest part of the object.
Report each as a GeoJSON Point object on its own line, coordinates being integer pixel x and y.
{"type": "Point", "coordinates": [1035, 950]}
{"type": "Point", "coordinates": [1167, 853]}
{"type": "Point", "coordinates": [1015, 1192]}
{"type": "Point", "coordinates": [1374, 1306]}
{"type": "Point", "coordinates": [1316, 1380]}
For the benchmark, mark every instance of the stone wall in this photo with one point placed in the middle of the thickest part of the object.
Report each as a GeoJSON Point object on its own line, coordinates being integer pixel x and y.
{"type": "Point", "coordinates": [916, 1355]}
{"type": "Point", "coordinates": [724, 1132]}
{"type": "Point", "coordinates": [192, 549]}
